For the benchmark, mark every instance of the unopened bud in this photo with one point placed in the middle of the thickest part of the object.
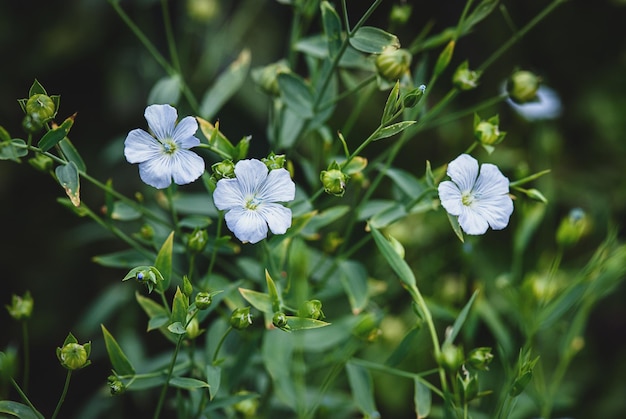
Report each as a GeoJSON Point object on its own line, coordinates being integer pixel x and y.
{"type": "Point", "coordinates": [451, 357]}
{"type": "Point", "coordinates": [413, 97]}
{"type": "Point", "coordinates": [21, 307]}
{"type": "Point", "coordinates": [267, 77]}
{"type": "Point", "coordinates": [393, 63]}
{"type": "Point", "coordinates": [464, 78]}
{"type": "Point", "coordinates": [574, 226]}
{"type": "Point", "coordinates": [488, 132]}
{"type": "Point", "coordinates": [115, 385]}
{"type": "Point", "coordinates": [523, 86]}
{"type": "Point", "coordinates": [40, 107]}
{"type": "Point", "coordinates": [480, 358]}
{"type": "Point", "coordinates": [334, 181]}
{"type": "Point", "coordinates": [224, 169]}
{"type": "Point", "coordinates": [444, 58]}
{"type": "Point", "coordinates": [72, 355]}
{"type": "Point", "coordinates": [41, 162]}
{"type": "Point", "coordinates": [193, 329]}
{"type": "Point", "coordinates": [274, 161]}
{"type": "Point", "coordinates": [197, 240]}
{"type": "Point", "coordinates": [468, 383]}
{"type": "Point", "coordinates": [280, 321]}
{"type": "Point", "coordinates": [203, 300]}
{"type": "Point", "coordinates": [241, 318]}
{"type": "Point", "coordinates": [311, 309]}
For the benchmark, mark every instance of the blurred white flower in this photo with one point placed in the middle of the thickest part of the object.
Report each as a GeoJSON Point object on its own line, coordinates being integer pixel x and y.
{"type": "Point", "coordinates": [165, 156]}
{"type": "Point", "coordinates": [546, 106]}
{"type": "Point", "coordinates": [479, 200]}
{"type": "Point", "coordinates": [251, 199]}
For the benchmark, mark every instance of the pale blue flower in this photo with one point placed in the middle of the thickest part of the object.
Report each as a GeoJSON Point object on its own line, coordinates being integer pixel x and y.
{"type": "Point", "coordinates": [547, 105]}
{"type": "Point", "coordinates": [252, 199]}
{"type": "Point", "coordinates": [165, 156]}
{"type": "Point", "coordinates": [480, 200]}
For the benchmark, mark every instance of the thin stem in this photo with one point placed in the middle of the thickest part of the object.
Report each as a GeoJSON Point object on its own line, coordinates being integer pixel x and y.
{"type": "Point", "coordinates": [218, 234]}
{"type": "Point", "coordinates": [172, 208]}
{"type": "Point", "coordinates": [169, 34]}
{"type": "Point", "coordinates": [25, 339]}
{"type": "Point", "coordinates": [63, 394]}
{"type": "Point", "coordinates": [220, 343]}
{"type": "Point", "coordinates": [25, 398]}
{"type": "Point", "coordinates": [166, 385]}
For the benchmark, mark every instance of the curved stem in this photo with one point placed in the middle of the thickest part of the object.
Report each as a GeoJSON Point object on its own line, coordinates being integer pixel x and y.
{"type": "Point", "coordinates": [170, 369]}
{"type": "Point", "coordinates": [25, 339]}
{"type": "Point", "coordinates": [25, 398]}
{"type": "Point", "coordinates": [63, 394]}
{"type": "Point", "coordinates": [220, 343]}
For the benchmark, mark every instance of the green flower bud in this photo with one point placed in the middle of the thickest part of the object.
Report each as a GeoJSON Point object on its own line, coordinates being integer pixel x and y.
{"type": "Point", "coordinates": [203, 10]}
{"type": "Point", "coordinates": [572, 228]}
{"type": "Point", "coordinates": [367, 328]}
{"type": "Point", "coordinates": [334, 181]}
{"type": "Point", "coordinates": [40, 107]}
{"type": "Point", "coordinates": [393, 63]}
{"type": "Point", "coordinates": [21, 307]}
{"type": "Point", "coordinates": [115, 385]}
{"type": "Point", "coordinates": [480, 358]}
{"type": "Point", "coordinates": [146, 232]}
{"type": "Point", "coordinates": [193, 329]}
{"type": "Point", "coordinates": [311, 309]}
{"type": "Point", "coordinates": [224, 169]}
{"type": "Point", "coordinates": [524, 375]}
{"type": "Point", "coordinates": [487, 132]}
{"type": "Point", "coordinates": [197, 240]}
{"type": "Point", "coordinates": [280, 321]}
{"type": "Point", "coordinates": [72, 355]}
{"type": "Point", "coordinates": [267, 77]}
{"type": "Point", "coordinates": [451, 357]}
{"type": "Point", "coordinates": [248, 406]}
{"type": "Point", "coordinates": [241, 318]}
{"type": "Point", "coordinates": [464, 78]}
{"type": "Point", "coordinates": [444, 58]}
{"type": "Point", "coordinates": [274, 161]}
{"type": "Point", "coordinates": [400, 13]}
{"type": "Point", "coordinates": [468, 383]}
{"type": "Point", "coordinates": [41, 162]}
{"type": "Point", "coordinates": [31, 124]}
{"type": "Point", "coordinates": [203, 300]}
{"type": "Point", "coordinates": [187, 286]}
{"type": "Point", "coordinates": [522, 86]}
{"type": "Point", "coordinates": [413, 97]}
{"type": "Point", "coordinates": [147, 275]}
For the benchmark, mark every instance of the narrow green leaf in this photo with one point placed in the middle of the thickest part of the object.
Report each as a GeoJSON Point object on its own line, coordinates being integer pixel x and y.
{"type": "Point", "coordinates": [4, 135]}
{"type": "Point", "coordinates": [458, 323]}
{"type": "Point", "coordinates": [166, 90]}
{"type": "Point", "coordinates": [296, 94]}
{"type": "Point", "coordinates": [18, 410]}
{"type": "Point", "coordinates": [180, 305]}
{"type": "Point", "coordinates": [456, 227]}
{"type": "Point", "coordinates": [422, 397]}
{"type": "Point", "coordinates": [273, 292]}
{"type": "Point", "coordinates": [52, 137]}
{"type": "Point", "coordinates": [163, 262]}
{"type": "Point", "coordinates": [373, 40]}
{"type": "Point", "coordinates": [406, 347]}
{"type": "Point", "coordinates": [302, 323]}
{"type": "Point", "coordinates": [122, 259]}
{"type": "Point", "coordinates": [188, 383]}
{"type": "Point", "coordinates": [399, 265]}
{"type": "Point", "coordinates": [217, 140]}
{"type": "Point", "coordinates": [332, 28]}
{"type": "Point", "coordinates": [121, 364]}
{"type": "Point", "coordinates": [213, 378]}
{"type": "Point", "coordinates": [226, 85]}
{"type": "Point", "coordinates": [391, 130]}
{"type": "Point", "coordinates": [71, 154]}
{"type": "Point", "coordinates": [151, 307]}
{"type": "Point", "coordinates": [479, 13]}
{"type": "Point", "coordinates": [392, 105]}
{"type": "Point", "coordinates": [121, 211]}
{"type": "Point", "coordinates": [258, 300]}
{"type": "Point", "coordinates": [353, 277]}
{"type": "Point", "coordinates": [68, 178]}
{"type": "Point", "coordinates": [362, 387]}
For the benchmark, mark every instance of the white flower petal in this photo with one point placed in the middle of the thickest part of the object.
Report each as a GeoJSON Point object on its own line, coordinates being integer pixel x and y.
{"type": "Point", "coordinates": [277, 217]}
{"type": "Point", "coordinates": [450, 196]}
{"type": "Point", "coordinates": [547, 106]}
{"type": "Point", "coordinates": [278, 187]}
{"type": "Point", "coordinates": [140, 146]}
{"type": "Point", "coordinates": [156, 172]}
{"type": "Point", "coordinates": [161, 120]}
{"type": "Point", "coordinates": [472, 222]}
{"type": "Point", "coordinates": [463, 171]}
{"type": "Point", "coordinates": [491, 182]}
{"type": "Point", "coordinates": [228, 194]}
{"type": "Point", "coordinates": [251, 174]}
{"type": "Point", "coordinates": [187, 166]}
{"type": "Point", "coordinates": [183, 134]}
{"type": "Point", "coordinates": [496, 210]}
{"type": "Point", "coordinates": [248, 226]}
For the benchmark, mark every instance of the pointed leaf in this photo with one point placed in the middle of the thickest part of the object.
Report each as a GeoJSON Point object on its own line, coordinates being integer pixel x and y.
{"type": "Point", "coordinates": [373, 40]}
{"type": "Point", "coordinates": [258, 300]}
{"type": "Point", "coordinates": [166, 90]}
{"type": "Point", "coordinates": [213, 378]}
{"type": "Point", "coordinates": [179, 307]}
{"type": "Point", "coordinates": [391, 130]}
{"type": "Point", "coordinates": [458, 323]}
{"type": "Point", "coordinates": [226, 85]}
{"type": "Point", "coordinates": [332, 28]}
{"type": "Point", "coordinates": [71, 154]}
{"type": "Point", "coordinates": [456, 227]}
{"type": "Point", "coordinates": [422, 397]}
{"type": "Point", "coordinates": [272, 292]}
{"type": "Point", "coordinates": [177, 328]}
{"type": "Point", "coordinates": [353, 277]}
{"type": "Point", "coordinates": [399, 265]}
{"type": "Point", "coordinates": [296, 94]}
{"type": "Point", "coordinates": [52, 137]}
{"type": "Point", "coordinates": [362, 387]}
{"type": "Point", "coordinates": [67, 175]}
{"type": "Point", "coordinates": [36, 89]}
{"type": "Point", "coordinates": [163, 262]}
{"type": "Point", "coordinates": [392, 105]}
{"type": "Point", "coordinates": [218, 142]}
{"type": "Point", "coordinates": [120, 362]}
{"type": "Point", "coordinates": [302, 323]}
{"type": "Point", "coordinates": [18, 410]}
{"type": "Point", "coordinates": [187, 383]}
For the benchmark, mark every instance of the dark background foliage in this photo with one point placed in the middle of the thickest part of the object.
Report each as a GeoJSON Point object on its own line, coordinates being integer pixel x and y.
{"type": "Point", "coordinates": [81, 50]}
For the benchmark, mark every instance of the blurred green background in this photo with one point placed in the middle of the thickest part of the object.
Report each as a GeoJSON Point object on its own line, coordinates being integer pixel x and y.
{"type": "Point", "coordinates": [81, 50]}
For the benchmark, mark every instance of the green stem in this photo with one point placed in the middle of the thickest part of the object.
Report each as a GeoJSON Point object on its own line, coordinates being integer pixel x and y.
{"type": "Point", "coordinates": [218, 234]}
{"type": "Point", "coordinates": [25, 339]}
{"type": "Point", "coordinates": [25, 398]}
{"type": "Point", "coordinates": [166, 385]}
{"type": "Point", "coordinates": [169, 34]}
{"type": "Point", "coordinates": [63, 394]}
{"type": "Point", "coordinates": [172, 208]}
{"type": "Point", "coordinates": [220, 343]}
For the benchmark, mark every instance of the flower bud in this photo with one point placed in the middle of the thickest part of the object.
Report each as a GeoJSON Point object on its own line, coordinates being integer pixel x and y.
{"type": "Point", "coordinates": [41, 162]}
{"type": "Point", "coordinates": [311, 309]}
{"type": "Point", "coordinates": [247, 406]}
{"type": "Point", "coordinates": [367, 328]}
{"type": "Point", "coordinates": [274, 161]}
{"type": "Point", "coordinates": [31, 124]}
{"type": "Point", "coordinates": [572, 228]}
{"type": "Point", "coordinates": [203, 300]}
{"type": "Point", "coordinates": [522, 86]}
{"type": "Point", "coordinates": [444, 58]}
{"type": "Point", "coordinates": [241, 318]}
{"type": "Point", "coordinates": [146, 232]}
{"type": "Point", "coordinates": [451, 357]}
{"type": "Point", "coordinates": [280, 321]}
{"type": "Point", "coordinates": [147, 275]}
{"type": "Point", "coordinates": [400, 13]}
{"type": "Point", "coordinates": [40, 107]}
{"type": "Point", "coordinates": [203, 10]}
{"type": "Point", "coordinates": [487, 132]}
{"type": "Point", "coordinates": [524, 375]}
{"type": "Point", "coordinates": [468, 383]}
{"type": "Point", "coordinates": [115, 385]}
{"type": "Point", "coordinates": [464, 78]}
{"type": "Point", "coordinates": [72, 355]}
{"type": "Point", "coordinates": [480, 358]}
{"type": "Point", "coordinates": [187, 286]}
{"type": "Point", "coordinates": [267, 77]}
{"type": "Point", "coordinates": [334, 181]}
{"type": "Point", "coordinates": [193, 329]}
{"type": "Point", "coordinates": [197, 240]}
{"type": "Point", "coordinates": [4, 135]}
{"type": "Point", "coordinates": [393, 63]}
{"type": "Point", "coordinates": [21, 307]}
{"type": "Point", "coordinates": [413, 97]}
{"type": "Point", "coordinates": [224, 169]}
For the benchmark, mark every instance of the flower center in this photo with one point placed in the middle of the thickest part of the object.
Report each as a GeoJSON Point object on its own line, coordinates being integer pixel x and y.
{"type": "Point", "coordinates": [252, 203]}
{"type": "Point", "coordinates": [169, 146]}
{"type": "Point", "coordinates": [467, 198]}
